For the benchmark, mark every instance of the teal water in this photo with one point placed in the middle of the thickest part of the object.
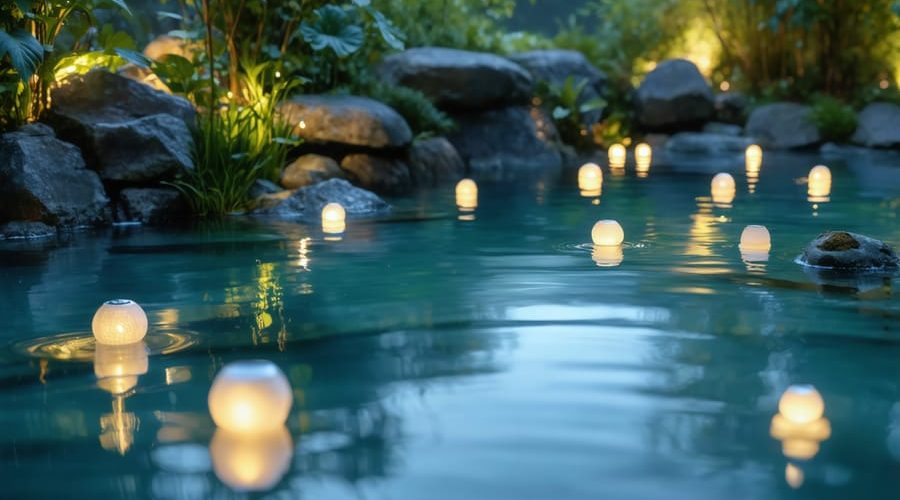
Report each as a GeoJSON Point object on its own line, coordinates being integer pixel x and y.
{"type": "Point", "coordinates": [437, 358]}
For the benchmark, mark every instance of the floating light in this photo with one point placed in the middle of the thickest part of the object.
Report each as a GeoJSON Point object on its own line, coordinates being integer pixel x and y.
{"type": "Point", "coordinates": [799, 423]}
{"type": "Point", "coordinates": [607, 233]}
{"type": "Point", "coordinates": [119, 321]}
{"type": "Point", "coordinates": [819, 184]}
{"type": "Point", "coordinates": [755, 243]}
{"type": "Point", "coordinates": [250, 397]}
{"type": "Point", "coordinates": [801, 404]}
{"type": "Point", "coordinates": [607, 256]}
{"type": "Point", "coordinates": [333, 218]}
{"type": "Point", "coordinates": [467, 195]}
{"type": "Point", "coordinates": [643, 157]}
{"type": "Point", "coordinates": [723, 188]}
{"type": "Point", "coordinates": [118, 367]}
{"type": "Point", "coordinates": [590, 179]}
{"type": "Point", "coordinates": [251, 463]}
{"type": "Point", "coordinates": [616, 155]}
{"type": "Point", "coordinates": [753, 159]}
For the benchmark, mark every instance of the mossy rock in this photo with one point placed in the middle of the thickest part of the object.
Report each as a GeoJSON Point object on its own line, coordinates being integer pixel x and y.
{"type": "Point", "coordinates": [838, 242]}
{"type": "Point", "coordinates": [843, 250]}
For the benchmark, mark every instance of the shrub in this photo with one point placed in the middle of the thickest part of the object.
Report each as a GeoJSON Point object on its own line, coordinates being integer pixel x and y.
{"type": "Point", "coordinates": [423, 118]}
{"type": "Point", "coordinates": [836, 120]}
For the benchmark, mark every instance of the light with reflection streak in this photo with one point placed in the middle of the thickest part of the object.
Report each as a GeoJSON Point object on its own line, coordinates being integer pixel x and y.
{"type": "Point", "coordinates": [723, 189]}
{"type": "Point", "coordinates": [800, 424]}
{"type": "Point", "coordinates": [616, 155]}
{"type": "Point", "coordinates": [643, 156]}
{"type": "Point", "coordinates": [118, 322]}
{"type": "Point", "coordinates": [756, 242]}
{"type": "Point", "coordinates": [590, 180]}
{"type": "Point", "coordinates": [334, 219]}
{"type": "Point", "coordinates": [819, 184]}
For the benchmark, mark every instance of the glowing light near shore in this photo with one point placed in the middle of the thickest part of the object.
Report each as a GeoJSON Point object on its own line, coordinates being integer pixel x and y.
{"type": "Point", "coordinates": [755, 243]}
{"type": "Point", "coordinates": [607, 233]}
{"type": "Point", "coordinates": [119, 322]}
{"type": "Point", "coordinates": [819, 184]}
{"type": "Point", "coordinates": [467, 195]}
{"type": "Point", "coordinates": [250, 397]}
{"type": "Point", "coordinates": [800, 424]}
{"type": "Point", "coordinates": [590, 180]}
{"type": "Point", "coordinates": [723, 189]}
{"type": "Point", "coordinates": [334, 218]}
{"type": "Point", "coordinates": [616, 155]}
{"type": "Point", "coordinates": [643, 157]}
{"type": "Point", "coordinates": [753, 158]}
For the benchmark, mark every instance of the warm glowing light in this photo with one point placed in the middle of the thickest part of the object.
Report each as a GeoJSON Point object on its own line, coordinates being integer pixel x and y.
{"type": "Point", "coordinates": [590, 179]}
{"type": "Point", "coordinates": [800, 441]}
{"type": "Point", "coordinates": [616, 154]}
{"type": "Point", "coordinates": [801, 404]}
{"type": "Point", "coordinates": [250, 397]}
{"type": "Point", "coordinates": [793, 475]}
{"type": "Point", "coordinates": [277, 74]}
{"type": "Point", "coordinates": [607, 233]}
{"type": "Point", "coordinates": [643, 156]}
{"type": "Point", "coordinates": [753, 158]}
{"type": "Point", "coordinates": [884, 84]}
{"type": "Point", "coordinates": [302, 124]}
{"type": "Point", "coordinates": [819, 184]}
{"type": "Point", "coordinates": [118, 366]}
{"type": "Point", "coordinates": [723, 188]}
{"type": "Point", "coordinates": [467, 195]}
{"type": "Point", "coordinates": [118, 322]}
{"type": "Point", "coordinates": [333, 218]}
{"type": "Point", "coordinates": [755, 239]}
{"type": "Point", "coordinates": [724, 86]}
{"type": "Point", "coordinates": [251, 463]}
{"type": "Point", "coordinates": [607, 256]}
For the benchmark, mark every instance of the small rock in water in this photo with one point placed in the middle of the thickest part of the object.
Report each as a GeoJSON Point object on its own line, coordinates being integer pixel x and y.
{"type": "Point", "coordinates": [849, 251]}
{"type": "Point", "coordinates": [307, 202]}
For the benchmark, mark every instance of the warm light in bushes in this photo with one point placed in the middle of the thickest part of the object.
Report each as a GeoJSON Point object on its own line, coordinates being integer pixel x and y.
{"type": "Point", "coordinates": [333, 218]}
{"type": "Point", "coordinates": [250, 397]}
{"type": "Point", "coordinates": [119, 321]}
{"type": "Point", "coordinates": [723, 188]}
{"type": "Point", "coordinates": [118, 367]}
{"type": "Point", "coordinates": [607, 233]}
{"type": "Point", "coordinates": [616, 154]}
{"type": "Point", "coordinates": [590, 179]}
{"type": "Point", "coordinates": [467, 195]}
{"type": "Point", "coordinates": [251, 463]}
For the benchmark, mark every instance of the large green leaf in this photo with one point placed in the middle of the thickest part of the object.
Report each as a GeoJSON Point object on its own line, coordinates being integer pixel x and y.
{"type": "Point", "coordinates": [25, 53]}
{"type": "Point", "coordinates": [333, 29]}
{"type": "Point", "coordinates": [389, 33]}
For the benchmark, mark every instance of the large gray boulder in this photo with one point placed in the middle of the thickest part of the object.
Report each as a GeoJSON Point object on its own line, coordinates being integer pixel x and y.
{"type": "Point", "coordinates": [501, 143]}
{"type": "Point", "coordinates": [673, 96]}
{"type": "Point", "coordinates": [309, 169]}
{"type": "Point", "coordinates": [152, 206]}
{"type": "Point", "coordinates": [849, 251]}
{"type": "Point", "coordinates": [307, 202]}
{"type": "Point", "coordinates": [783, 125]}
{"type": "Point", "coordinates": [707, 143]}
{"type": "Point", "coordinates": [435, 161]}
{"type": "Point", "coordinates": [347, 120]}
{"type": "Point", "coordinates": [878, 126]}
{"type": "Point", "coordinates": [142, 150]}
{"type": "Point", "coordinates": [123, 126]}
{"type": "Point", "coordinates": [43, 179]}
{"type": "Point", "coordinates": [555, 66]}
{"type": "Point", "coordinates": [459, 79]}
{"type": "Point", "coordinates": [387, 176]}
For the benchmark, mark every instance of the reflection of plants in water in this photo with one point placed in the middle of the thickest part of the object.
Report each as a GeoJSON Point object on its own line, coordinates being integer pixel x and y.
{"type": "Point", "coordinates": [266, 302]}
{"type": "Point", "coordinates": [117, 428]}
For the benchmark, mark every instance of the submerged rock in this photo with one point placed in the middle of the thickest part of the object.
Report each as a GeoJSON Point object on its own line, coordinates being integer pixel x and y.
{"type": "Point", "coordinates": [43, 179]}
{"type": "Point", "coordinates": [25, 230]}
{"type": "Point", "coordinates": [151, 206]}
{"type": "Point", "coordinates": [879, 126]}
{"type": "Point", "coordinates": [501, 143]}
{"type": "Point", "coordinates": [459, 79]}
{"type": "Point", "coordinates": [674, 96]}
{"type": "Point", "coordinates": [783, 125]}
{"type": "Point", "coordinates": [555, 66]}
{"type": "Point", "coordinates": [346, 119]}
{"type": "Point", "coordinates": [307, 202]}
{"type": "Point", "coordinates": [388, 176]}
{"type": "Point", "coordinates": [126, 130]}
{"type": "Point", "coordinates": [309, 169]}
{"type": "Point", "coordinates": [435, 161]}
{"type": "Point", "coordinates": [849, 251]}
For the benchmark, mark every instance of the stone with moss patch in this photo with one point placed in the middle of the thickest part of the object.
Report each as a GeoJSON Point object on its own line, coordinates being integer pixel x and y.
{"type": "Point", "coordinates": [849, 251]}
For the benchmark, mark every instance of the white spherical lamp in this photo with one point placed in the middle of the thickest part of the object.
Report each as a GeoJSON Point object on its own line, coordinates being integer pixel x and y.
{"type": "Point", "coordinates": [250, 397]}
{"type": "Point", "coordinates": [753, 158]}
{"type": "Point", "coordinates": [607, 233]}
{"type": "Point", "coordinates": [616, 154]}
{"type": "Point", "coordinates": [723, 188]}
{"type": "Point", "coordinates": [801, 404]}
{"type": "Point", "coordinates": [467, 195]}
{"type": "Point", "coordinates": [755, 239]}
{"type": "Point", "coordinates": [333, 218]}
{"type": "Point", "coordinates": [590, 177]}
{"type": "Point", "coordinates": [118, 322]}
{"type": "Point", "coordinates": [819, 183]}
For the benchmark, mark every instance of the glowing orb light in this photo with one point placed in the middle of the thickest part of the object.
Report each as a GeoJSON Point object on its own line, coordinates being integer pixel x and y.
{"type": "Point", "coordinates": [250, 397]}
{"type": "Point", "coordinates": [616, 154]}
{"type": "Point", "coordinates": [755, 243]}
{"type": "Point", "coordinates": [643, 156]}
{"type": "Point", "coordinates": [251, 463]}
{"type": "Point", "coordinates": [590, 180]}
{"type": "Point", "coordinates": [118, 322]}
{"type": "Point", "coordinates": [333, 218]}
{"type": "Point", "coordinates": [723, 188]}
{"type": "Point", "coordinates": [753, 158]}
{"type": "Point", "coordinates": [607, 233]}
{"type": "Point", "coordinates": [467, 195]}
{"type": "Point", "coordinates": [801, 404]}
{"type": "Point", "coordinates": [819, 184]}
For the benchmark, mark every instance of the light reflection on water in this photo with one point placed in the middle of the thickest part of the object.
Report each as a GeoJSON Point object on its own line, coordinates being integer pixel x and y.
{"type": "Point", "coordinates": [488, 358]}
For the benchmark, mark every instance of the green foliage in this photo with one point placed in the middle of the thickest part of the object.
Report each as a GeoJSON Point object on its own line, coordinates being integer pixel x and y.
{"type": "Point", "coordinates": [333, 29]}
{"type": "Point", "coordinates": [836, 120]}
{"type": "Point", "coordinates": [568, 108]}
{"type": "Point", "coordinates": [24, 51]}
{"type": "Point", "coordinates": [422, 116]}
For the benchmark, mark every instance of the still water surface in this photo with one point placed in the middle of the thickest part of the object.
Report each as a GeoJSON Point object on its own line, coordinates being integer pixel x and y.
{"type": "Point", "coordinates": [445, 359]}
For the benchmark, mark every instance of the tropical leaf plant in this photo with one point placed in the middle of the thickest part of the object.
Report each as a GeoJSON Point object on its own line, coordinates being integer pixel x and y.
{"type": "Point", "coordinates": [24, 51]}
{"type": "Point", "coordinates": [333, 28]}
